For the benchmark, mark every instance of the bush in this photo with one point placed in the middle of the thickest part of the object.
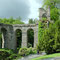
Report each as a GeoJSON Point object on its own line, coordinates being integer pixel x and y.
{"type": "Point", "coordinates": [23, 51]}
{"type": "Point", "coordinates": [34, 50]}
{"type": "Point", "coordinates": [5, 53]}
{"type": "Point", "coordinates": [50, 40]}
{"type": "Point", "coordinates": [13, 56]}
{"type": "Point", "coordinates": [30, 50]}
{"type": "Point", "coordinates": [27, 51]}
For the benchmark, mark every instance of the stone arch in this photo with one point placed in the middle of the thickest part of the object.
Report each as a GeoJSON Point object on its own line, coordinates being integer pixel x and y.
{"type": "Point", "coordinates": [44, 15]}
{"type": "Point", "coordinates": [18, 35]}
{"type": "Point", "coordinates": [42, 12]}
{"type": "Point", "coordinates": [30, 37]}
{"type": "Point", "coordinates": [4, 38]}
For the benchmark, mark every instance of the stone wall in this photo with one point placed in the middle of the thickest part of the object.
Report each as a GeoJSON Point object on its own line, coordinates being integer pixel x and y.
{"type": "Point", "coordinates": [9, 37]}
{"type": "Point", "coordinates": [24, 28]}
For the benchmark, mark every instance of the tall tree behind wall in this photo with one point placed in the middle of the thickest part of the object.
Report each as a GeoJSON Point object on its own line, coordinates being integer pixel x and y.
{"type": "Point", "coordinates": [54, 10]}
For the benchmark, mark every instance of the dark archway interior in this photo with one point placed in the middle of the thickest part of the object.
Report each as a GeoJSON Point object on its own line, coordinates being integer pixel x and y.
{"type": "Point", "coordinates": [44, 15]}
{"type": "Point", "coordinates": [19, 38]}
{"type": "Point", "coordinates": [30, 38]}
{"type": "Point", "coordinates": [3, 38]}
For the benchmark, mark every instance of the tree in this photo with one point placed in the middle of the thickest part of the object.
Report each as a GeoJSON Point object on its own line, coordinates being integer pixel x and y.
{"type": "Point", "coordinates": [51, 38]}
{"type": "Point", "coordinates": [11, 20]}
{"type": "Point", "coordinates": [54, 14]}
{"type": "Point", "coordinates": [51, 3]}
{"type": "Point", "coordinates": [31, 21]}
{"type": "Point", "coordinates": [54, 11]}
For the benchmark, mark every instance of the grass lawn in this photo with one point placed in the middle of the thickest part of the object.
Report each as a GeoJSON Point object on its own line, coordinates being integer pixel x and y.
{"type": "Point", "coordinates": [47, 56]}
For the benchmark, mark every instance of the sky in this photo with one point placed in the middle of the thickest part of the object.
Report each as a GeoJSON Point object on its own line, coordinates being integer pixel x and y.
{"type": "Point", "coordinates": [26, 9]}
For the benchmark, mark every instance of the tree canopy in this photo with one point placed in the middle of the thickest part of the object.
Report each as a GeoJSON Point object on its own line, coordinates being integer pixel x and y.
{"type": "Point", "coordinates": [11, 20]}
{"type": "Point", "coordinates": [54, 10]}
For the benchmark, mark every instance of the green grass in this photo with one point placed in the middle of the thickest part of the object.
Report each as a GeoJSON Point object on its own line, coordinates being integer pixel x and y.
{"type": "Point", "coordinates": [47, 56]}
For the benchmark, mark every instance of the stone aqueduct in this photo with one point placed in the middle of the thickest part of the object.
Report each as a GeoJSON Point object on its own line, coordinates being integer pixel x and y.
{"type": "Point", "coordinates": [9, 36]}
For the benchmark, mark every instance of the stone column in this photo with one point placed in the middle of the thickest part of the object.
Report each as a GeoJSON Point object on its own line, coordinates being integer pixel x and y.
{"type": "Point", "coordinates": [12, 40]}
{"type": "Point", "coordinates": [24, 38]}
{"type": "Point", "coordinates": [36, 36]}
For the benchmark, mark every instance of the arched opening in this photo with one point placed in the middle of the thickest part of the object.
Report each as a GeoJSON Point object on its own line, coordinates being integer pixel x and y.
{"type": "Point", "coordinates": [3, 38]}
{"type": "Point", "coordinates": [18, 38]}
{"type": "Point", "coordinates": [44, 17]}
{"type": "Point", "coordinates": [30, 38]}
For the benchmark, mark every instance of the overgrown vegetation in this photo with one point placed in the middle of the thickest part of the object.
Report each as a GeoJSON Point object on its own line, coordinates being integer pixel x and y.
{"type": "Point", "coordinates": [7, 54]}
{"type": "Point", "coordinates": [11, 20]}
{"type": "Point", "coordinates": [54, 10]}
{"type": "Point", "coordinates": [49, 37]}
{"type": "Point", "coordinates": [27, 51]}
{"type": "Point", "coordinates": [30, 37]}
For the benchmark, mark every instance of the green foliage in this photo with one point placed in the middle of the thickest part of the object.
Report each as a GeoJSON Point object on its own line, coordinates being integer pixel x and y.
{"type": "Point", "coordinates": [31, 21]}
{"type": "Point", "coordinates": [19, 38]}
{"type": "Point", "coordinates": [44, 19]}
{"type": "Point", "coordinates": [27, 51]}
{"type": "Point", "coordinates": [32, 50]}
{"type": "Point", "coordinates": [54, 14]}
{"type": "Point", "coordinates": [13, 57]}
{"type": "Point", "coordinates": [30, 37]}
{"type": "Point", "coordinates": [11, 21]}
{"type": "Point", "coordinates": [7, 54]}
{"type": "Point", "coordinates": [54, 10]}
{"type": "Point", "coordinates": [51, 3]}
{"type": "Point", "coordinates": [23, 51]}
{"type": "Point", "coordinates": [40, 34]}
{"type": "Point", "coordinates": [51, 38]}
{"type": "Point", "coordinates": [47, 56]}
{"type": "Point", "coordinates": [7, 50]}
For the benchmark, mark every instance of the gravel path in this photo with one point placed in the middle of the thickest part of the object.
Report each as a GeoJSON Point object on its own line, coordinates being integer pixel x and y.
{"type": "Point", "coordinates": [30, 57]}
